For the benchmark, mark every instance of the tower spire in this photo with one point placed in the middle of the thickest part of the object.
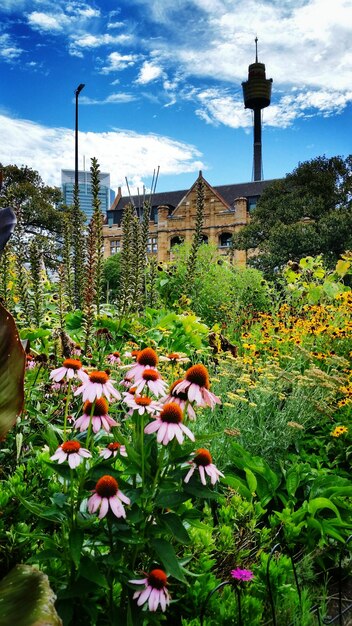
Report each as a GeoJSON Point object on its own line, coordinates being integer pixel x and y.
{"type": "Point", "coordinates": [256, 95]}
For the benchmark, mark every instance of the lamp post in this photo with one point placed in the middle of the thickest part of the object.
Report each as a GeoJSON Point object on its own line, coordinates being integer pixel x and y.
{"type": "Point", "coordinates": [77, 92]}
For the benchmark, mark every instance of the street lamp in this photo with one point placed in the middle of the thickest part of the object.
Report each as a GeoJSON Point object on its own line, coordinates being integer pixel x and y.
{"type": "Point", "coordinates": [77, 92]}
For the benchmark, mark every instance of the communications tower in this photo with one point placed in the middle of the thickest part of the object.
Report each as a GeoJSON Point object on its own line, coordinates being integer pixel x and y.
{"type": "Point", "coordinates": [256, 95]}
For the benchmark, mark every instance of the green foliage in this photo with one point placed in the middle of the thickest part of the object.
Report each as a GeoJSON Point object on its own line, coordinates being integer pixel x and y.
{"type": "Point", "coordinates": [306, 213]}
{"type": "Point", "coordinates": [220, 292]}
{"type": "Point", "coordinates": [24, 189]}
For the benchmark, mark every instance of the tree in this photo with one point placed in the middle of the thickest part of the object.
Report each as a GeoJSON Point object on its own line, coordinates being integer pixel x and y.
{"type": "Point", "coordinates": [309, 212]}
{"type": "Point", "coordinates": [23, 189]}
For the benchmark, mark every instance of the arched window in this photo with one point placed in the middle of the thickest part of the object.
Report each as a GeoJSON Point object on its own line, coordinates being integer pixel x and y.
{"type": "Point", "coordinates": [175, 241]}
{"type": "Point", "coordinates": [203, 238]}
{"type": "Point", "coordinates": [225, 240]}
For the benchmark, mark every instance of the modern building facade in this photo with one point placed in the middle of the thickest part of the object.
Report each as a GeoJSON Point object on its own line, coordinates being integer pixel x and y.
{"type": "Point", "coordinates": [106, 194]}
{"type": "Point", "coordinates": [227, 208]}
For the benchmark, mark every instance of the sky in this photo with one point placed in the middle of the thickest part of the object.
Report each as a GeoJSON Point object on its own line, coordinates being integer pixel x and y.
{"type": "Point", "coordinates": [163, 86]}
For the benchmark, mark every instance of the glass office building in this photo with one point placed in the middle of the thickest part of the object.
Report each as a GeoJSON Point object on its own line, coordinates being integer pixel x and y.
{"type": "Point", "coordinates": [106, 195]}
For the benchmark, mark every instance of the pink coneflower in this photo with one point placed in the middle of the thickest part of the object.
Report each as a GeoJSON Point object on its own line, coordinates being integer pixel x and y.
{"type": "Point", "coordinates": [112, 449]}
{"type": "Point", "coordinates": [151, 378]}
{"type": "Point", "coordinates": [72, 452]}
{"type": "Point", "coordinates": [96, 385]}
{"type": "Point", "coordinates": [100, 417]}
{"type": "Point", "coordinates": [196, 384]}
{"type": "Point", "coordinates": [155, 590]}
{"type": "Point", "coordinates": [107, 495]}
{"type": "Point", "coordinates": [142, 404]}
{"type": "Point", "coordinates": [30, 362]}
{"type": "Point", "coordinates": [181, 398]}
{"type": "Point", "coordinates": [242, 574]}
{"type": "Point", "coordinates": [69, 369]}
{"type": "Point", "coordinates": [169, 425]}
{"type": "Point", "coordinates": [114, 358]}
{"type": "Point", "coordinates": [204, 463]}
{"type": "Point", "coordinates": [146, 359]}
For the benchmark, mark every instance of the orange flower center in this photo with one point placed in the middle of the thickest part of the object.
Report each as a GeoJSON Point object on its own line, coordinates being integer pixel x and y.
{"type": "Point", "coordinates": [135, 353]}
{"type": "Point", "coordinates": [157, 579]}
{"type": "Point", "coordinates": [178, 394]}
{"type": "Point", "coordinates": [171, 413]}
{"type": "Point", "coordinates": [173, 356]}
{"type": "Point", "coordinates": [73, 364]}
{"type": "Point", "coordinates": [114, 445]}
{"type": "Point", "coordinates": [150, 375]}
{"type": "Point", "coordinates": [70, 446]}
{"type": "Point", "coordinates": [202, 457]}
{"type": "Point", "coordinates": [143, 401]}
{"type": "Point", "coordinates": [117, 354]}
{"type": "Point", "coordinates": [198, 374]}
{"type": "Point", "coordinates": [107, 487]}
{"type": "Point", "coordinates": [101, 407]}
{"type": "Point", "coordinates": [148, 356]}
{"type": "Point", "coordinates": [98, 377]}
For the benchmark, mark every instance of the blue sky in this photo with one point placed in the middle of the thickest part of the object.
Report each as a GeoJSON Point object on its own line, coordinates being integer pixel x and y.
{"type": "Point", "coordinates": [163, 86]}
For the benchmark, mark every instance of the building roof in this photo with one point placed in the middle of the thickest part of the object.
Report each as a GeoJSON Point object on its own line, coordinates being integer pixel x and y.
{"type": "Point", "coordinates": [173, 198]}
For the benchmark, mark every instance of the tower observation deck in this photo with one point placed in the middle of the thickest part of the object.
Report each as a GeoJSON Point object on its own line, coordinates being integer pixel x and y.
{"type": "Point", "coordinates": [257, 95]}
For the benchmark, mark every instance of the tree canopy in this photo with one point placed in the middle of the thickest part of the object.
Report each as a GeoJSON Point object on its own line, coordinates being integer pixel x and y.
{"type": "Point", "coordinates": [24, 190]}
{"type": "Point", "coordinates": [308, 212]}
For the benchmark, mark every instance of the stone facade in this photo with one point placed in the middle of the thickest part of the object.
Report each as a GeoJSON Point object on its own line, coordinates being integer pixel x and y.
{"type": "Point", "coordinates": [173, 218]}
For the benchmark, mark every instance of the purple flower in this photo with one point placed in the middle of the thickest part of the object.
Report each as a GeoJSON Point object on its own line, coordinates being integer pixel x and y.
{"type": "Point", "coordinates": [242, 574]}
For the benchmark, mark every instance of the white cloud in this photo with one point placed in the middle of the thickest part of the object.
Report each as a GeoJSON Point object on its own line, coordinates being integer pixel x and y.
{"type": "Point", "coordinates": [114, 98]}
{"type": "Point", "coordinates": [117, 62]}
{"type": "Point", "coordinates": [9, 52]}
{"type": "Point", "coordinates": [94, 41]}
{"type": "Point", "coordinates": [47, 22]}
{"type": "Point", "coordinates": [120, 152]}
{"type": "Point", "coordinates": [149, 72]}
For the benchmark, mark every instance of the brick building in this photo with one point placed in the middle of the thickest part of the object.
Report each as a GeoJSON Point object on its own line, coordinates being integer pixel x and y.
{"type": "Point", "coordinates": [226, 210]}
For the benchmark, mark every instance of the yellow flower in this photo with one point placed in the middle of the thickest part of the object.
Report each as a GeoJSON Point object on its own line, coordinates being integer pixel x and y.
{"type": "Point", "coordinates": [338, 431]}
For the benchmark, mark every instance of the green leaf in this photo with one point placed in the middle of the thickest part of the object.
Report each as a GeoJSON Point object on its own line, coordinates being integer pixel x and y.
{"type": "Point", "coordinates": [317, 504]}
{"type": "Point", "coordinates": [251, 480]}
{"type": "Point", "coordinates": [169, 500]}
{"type": "Point", "coordinates": [76, 543]}
{"type": "Point", "coordinates": [167, 555]}
{"type": "Point", "coordinates": [174, 523]}
{"type": "Point", "coordinates": [42, 511]}
{"type": "Point", "coordinates": [88, 569]}
{"type": "Point", "coordinates": [342, 267]}
{"type": "Point", "coordinates": [239, 485]}
{"type": "Point", "coordinates": [12, 364]}
{"type": "Point", "coordinates": [26, 599]}
{"type": "Point", "coordinates": [292, 481]}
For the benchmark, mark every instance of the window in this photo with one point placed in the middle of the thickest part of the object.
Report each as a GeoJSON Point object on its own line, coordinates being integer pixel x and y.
{"type": "Point", "coordinates": [115, 246]}
{"type": "Point", "coordinates": [252, 203]}
{"type": "Point", "coordinates": [176, 241]}
{"type": "Point", "coordinates": [203, 238]}
{"type": "Point", "coordinates": [152, 245]}
{"type": "Point", "coordinates": [225, 240]}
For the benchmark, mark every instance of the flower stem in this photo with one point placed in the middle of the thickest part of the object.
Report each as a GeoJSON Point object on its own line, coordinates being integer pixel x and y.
{"type": "Point", "coordinates": [66, 408]}
{"type": "Point", "coordinates": [90, 425]}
